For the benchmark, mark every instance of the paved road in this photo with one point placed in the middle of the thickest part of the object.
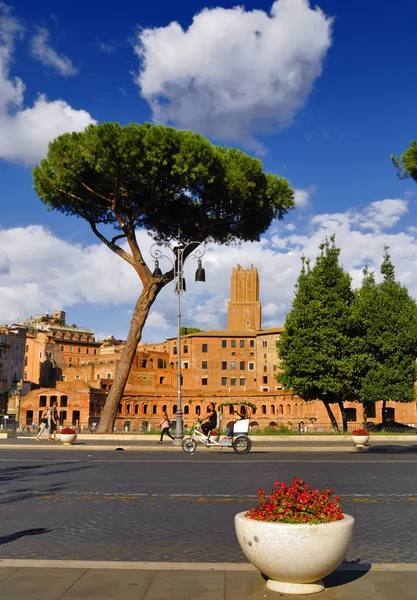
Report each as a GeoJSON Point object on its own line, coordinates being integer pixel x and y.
{"type": "Point", "coordinates": [173, 507]}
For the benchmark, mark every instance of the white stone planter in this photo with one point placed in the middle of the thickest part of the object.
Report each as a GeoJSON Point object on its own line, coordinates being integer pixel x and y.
{"type": "Point", "coordinates": [360, 440]}
{"type": "Point", "coordinates": [67, 438]}
{"type": "Point", "coordinates": [294, 557]}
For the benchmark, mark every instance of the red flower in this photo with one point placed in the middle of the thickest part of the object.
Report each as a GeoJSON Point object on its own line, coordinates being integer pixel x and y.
{"type": "Point", "coordinates": [297, 503]}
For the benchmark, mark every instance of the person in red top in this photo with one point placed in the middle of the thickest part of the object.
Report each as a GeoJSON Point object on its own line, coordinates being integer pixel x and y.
{"type": "Point", "coordinates": [165, 427]}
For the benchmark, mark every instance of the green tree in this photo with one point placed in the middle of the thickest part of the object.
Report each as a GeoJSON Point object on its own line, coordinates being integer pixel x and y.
{"type": "Point", "coordinates": [407, 162]}
{"type": "Point", "coordinates": [187, 330]}
{"type": "Point", "coordinates": [316, 345]}
{"type": "Point", "coordinates": [385, 321]}
{"type": "Point", "coordinates": [158, 179]}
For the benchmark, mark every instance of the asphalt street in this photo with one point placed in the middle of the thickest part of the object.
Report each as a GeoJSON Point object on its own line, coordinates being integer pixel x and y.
{"type": "Point", "coordinates": [145, 506]}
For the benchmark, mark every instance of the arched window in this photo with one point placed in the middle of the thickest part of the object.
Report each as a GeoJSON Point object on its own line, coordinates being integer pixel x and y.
{"type": "Point", "coordinates": [145, 409]}
{"type": "Point", "coordinates": [186, 349]}
{"type": "Point", "coordinates": [186, 410]}
{"type": "Point", "coordinates": [197, 410]}
{"type": "Point", "coordinates": [263, 409]}
{"type": "Point", "coordinates": [288, 409]}
{"type": "Point", "coordinates": [128, 409]}
{"type": "Point", "coordinates": [280, 409]}
{"type": "Point", "coordinates": [174, 409]}
{"type": "Point", "coordinates": [175, 350]}
{"type": "Point", "coordinates": [272, 409]}
{"type": "Point", "coordinates": [154, 409]}
{"type": "Point", "coordinates": [164, 408]}
{"type": "Point", "coordinates": [231, 410]}
{"type": "Point", "coordinates": [136, 409]}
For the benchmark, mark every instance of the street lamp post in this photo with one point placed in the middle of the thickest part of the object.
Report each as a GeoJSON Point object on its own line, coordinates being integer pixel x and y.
{"type": "Point", "coordinates": [178, 251]}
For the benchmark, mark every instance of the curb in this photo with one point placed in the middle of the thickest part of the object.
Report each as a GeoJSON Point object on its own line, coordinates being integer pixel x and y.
{"type": "Point", "coordinates": [157, 448]}
{"type": "Point", "coordinates": [183, 566]}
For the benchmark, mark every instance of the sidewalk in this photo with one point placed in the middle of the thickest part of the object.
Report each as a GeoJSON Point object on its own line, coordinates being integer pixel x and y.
{"type": "Point", "coordinates": [72, 580]}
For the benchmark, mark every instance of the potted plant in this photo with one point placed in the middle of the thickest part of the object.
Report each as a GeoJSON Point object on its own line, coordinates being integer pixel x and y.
{"type": "Point", "coordinates": [67, 436]}
{"type": "Point", "coordinates": [295, 536]}
{"type": "Point", "coordinates": [360, 437]}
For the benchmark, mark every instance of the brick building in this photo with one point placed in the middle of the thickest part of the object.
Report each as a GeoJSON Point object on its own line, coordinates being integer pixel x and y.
{"type": "Point", "coordinates": [236, 364]}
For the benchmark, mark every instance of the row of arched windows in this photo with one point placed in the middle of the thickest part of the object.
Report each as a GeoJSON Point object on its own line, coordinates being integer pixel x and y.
{"type": "Point", "coordinates": [184, 350]}
{"type": "Point", "coordinates": [281, 409]}
{"type": "Point", "coordinates": [134, 410]}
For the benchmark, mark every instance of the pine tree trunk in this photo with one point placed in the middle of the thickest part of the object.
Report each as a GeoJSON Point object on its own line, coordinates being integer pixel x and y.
{"type": "Point", "coordinates": [143, 305]}
{"type": "Point", "coordinates": [331, 416]}
{"type": "Point", "coordinates": [344, 417]}
{"type": "Point", "coordinates": [365, 416]}
{"type": "Point", "coordinates": [383, 409]}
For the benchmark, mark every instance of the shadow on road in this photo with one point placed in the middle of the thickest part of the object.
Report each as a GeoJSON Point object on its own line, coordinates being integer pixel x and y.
{"type": "Point", "coordinates": [36, 481]}
{"type": "Point", "coordinates": [12, 537]}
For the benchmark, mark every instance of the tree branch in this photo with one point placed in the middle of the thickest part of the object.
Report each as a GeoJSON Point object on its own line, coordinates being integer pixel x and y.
{"type": "Point", "coordinates": [95, 193]}
{"type": "Point", "coordinates": [113, 247]}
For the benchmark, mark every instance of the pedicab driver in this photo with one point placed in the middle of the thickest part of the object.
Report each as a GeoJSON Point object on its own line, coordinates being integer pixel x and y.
{"type": "Point", "coordinates": [211, 419]}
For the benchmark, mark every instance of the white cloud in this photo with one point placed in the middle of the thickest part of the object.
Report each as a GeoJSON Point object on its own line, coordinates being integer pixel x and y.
{"type": "Point", "coordinates": [48, 56]}
{"type": "Point", "coordinates": [301, 197]}
{"type": "Point", "coordinates": [41, 272]}
{"type": "Point", "coordinates": [26, 132]}
{"type": "Point", "coordinates": [387, 213]}
{"type": "Point", "coordinates": [157, 320]}
{"type": "Point", "coordinates": [24, 136]}
{"type": "Point", "coordinates": [234, 74]}
{"type": "Point", "coordinates": [107, 48]}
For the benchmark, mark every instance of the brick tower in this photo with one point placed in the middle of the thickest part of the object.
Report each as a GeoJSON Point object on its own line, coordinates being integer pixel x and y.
{"type": "Point", "coordinates": [244, 307]}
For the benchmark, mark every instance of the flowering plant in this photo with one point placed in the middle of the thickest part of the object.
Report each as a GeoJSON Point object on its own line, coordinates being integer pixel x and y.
{"type": "Point", "coordinates": [297, 503]}
{"type": "Point", "coordinates": [67, 430]}
{"type": "Point", "coordinates": [360, 432]}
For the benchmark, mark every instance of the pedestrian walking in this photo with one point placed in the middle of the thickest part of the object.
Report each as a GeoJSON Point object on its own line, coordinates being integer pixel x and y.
{"type": "Point", "coordinates": [44, 424]}
{"type": "Point", "coordinates": [165, 427]}
{"type": "Point", "coordinates": [53, 421]}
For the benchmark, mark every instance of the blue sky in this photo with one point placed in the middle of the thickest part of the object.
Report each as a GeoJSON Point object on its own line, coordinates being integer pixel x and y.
{"type": "Point", "coordinates": [344, 99]}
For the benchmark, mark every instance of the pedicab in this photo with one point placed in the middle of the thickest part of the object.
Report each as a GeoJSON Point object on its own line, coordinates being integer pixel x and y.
{"type": "Point", "coordinates": [239, 441]}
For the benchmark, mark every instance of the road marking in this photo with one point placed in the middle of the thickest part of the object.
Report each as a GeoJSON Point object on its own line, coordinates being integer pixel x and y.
{"type": "Point", "coordinates": [191, 460]}
{"type": "Point", "coordinates": [183, 566]}
{"type": "Point", "coordinates": [189, 497]}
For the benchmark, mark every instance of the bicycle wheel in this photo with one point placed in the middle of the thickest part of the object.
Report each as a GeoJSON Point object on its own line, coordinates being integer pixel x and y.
{"type": "Point", "coordinates": [242, 444]}
{"type": "Point", "coordinates": [189, 445]}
